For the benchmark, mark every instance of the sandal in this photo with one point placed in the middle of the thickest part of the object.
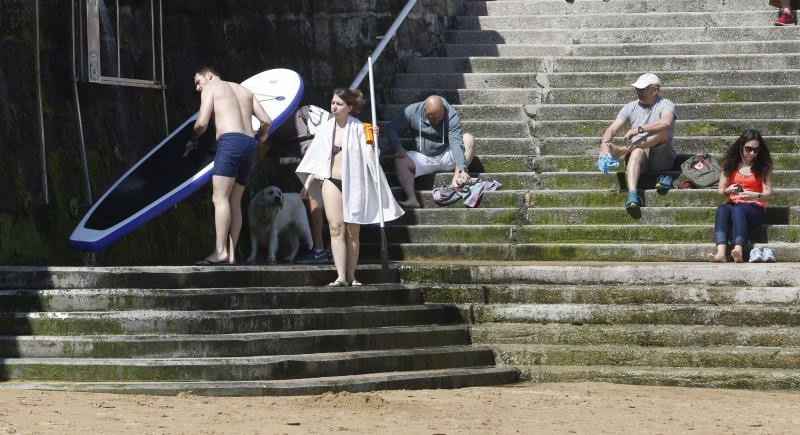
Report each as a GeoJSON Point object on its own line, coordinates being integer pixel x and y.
{"type": "Point", "coordinates": [356, 283]}
{"type": "Point", "coordinates": [337, 283]}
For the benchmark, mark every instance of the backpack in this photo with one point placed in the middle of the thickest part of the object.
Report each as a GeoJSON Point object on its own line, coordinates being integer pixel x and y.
{"type": "Point", "coordinates": [698, 172]}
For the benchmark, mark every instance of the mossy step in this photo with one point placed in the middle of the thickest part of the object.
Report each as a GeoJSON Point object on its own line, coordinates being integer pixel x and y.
{"type": "Point", "coordinates": [485, 146]}
{"type": "Point", "coordinates": [231, 345]}
{"type": "Point", "coordinates": [644, 293]}
{"type": "Point", "coordinates": [497, 199]}
{"type": "Point", "coordinates": [667, 34]}
{"type": "Point", "coordinates": [651, 198]}
{"type": "Point", "coordinates": [616, 95]}
{"type": "Point", "coordinates": [642, 252]}
{"type": "Point", "coordinates": [460, 271]}
{"type": "Point", "coordinates": [611, 355]}
{"type": "Point", "coordinates": [579, 216]}
{"type": "Point", "coordinates": [647, 314]}
{"type": "Point", "coordinates": [781, 161]}
{"type": "Point", "coordinates": [694, 111]}
{"type": "Point", "coordinates": [781, 179]}
{"type": "Point", "coordinates": [532, 48]}
{"type": "Point", "coordinates": [454, 95]}
{"type": "Point", "coordinates": [606, 20]}
{"type": "Point", "coordinates": [594, 234]}
{"type": "Point", "coordinates": [635, 335]}
{"type": "Point", "coordinates": [769, 61]}
{"type": "Point", "coordinates": [679, 96]}
{"type": "Point", "coordinates": [246, 368]}
{"type": "Point", "coordinates": [517, 129]}
{"type": "Point", "coordinates": [588, 146]}
{"type": "Point", "coordinates": [159, 277]}
{"type": "Point", "coordinates": [246, 298]}
{"type": "Point", "coordinates": [649, 216]}
{"type": "Point", "coordinates": [704, 127]}
{"type": "Point", "coordinates": [472, 112]}
{"type": "Point", "coordinates": [408, 380]}
{"type": "Point", "coordinates": [222, 322]}
{"type": "Point", "coordinates": [750, 379]}
{"type": "Point", "coordinates": [593, 7]}
{"type": "Point", "coordinates": [508, 180]}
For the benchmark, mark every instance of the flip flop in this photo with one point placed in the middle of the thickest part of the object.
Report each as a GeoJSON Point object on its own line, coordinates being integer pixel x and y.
{"type": "Point", "coordinates": [337, 283]}
{"type": "Point", "coordinates": [210, 263]}
{"type": "Point", "coordinates": [356, 283]}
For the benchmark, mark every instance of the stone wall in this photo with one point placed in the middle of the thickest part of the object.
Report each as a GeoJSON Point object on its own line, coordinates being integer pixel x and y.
{"type": "Point", "coordinates": [325, 41]}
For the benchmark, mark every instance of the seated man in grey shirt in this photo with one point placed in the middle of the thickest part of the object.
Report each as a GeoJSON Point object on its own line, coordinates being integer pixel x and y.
{"type": "Point", "coordinates": [652, 128]}
{"type": "Point", "coordinates": [441, 145]}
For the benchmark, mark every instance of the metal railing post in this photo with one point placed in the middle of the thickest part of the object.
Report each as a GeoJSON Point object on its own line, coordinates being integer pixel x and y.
{"type": "Point", "coordinates": [40, 109]}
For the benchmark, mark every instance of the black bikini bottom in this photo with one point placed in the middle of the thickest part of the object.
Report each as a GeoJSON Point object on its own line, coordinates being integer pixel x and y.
{"type": "Point", "coordinates": [336, 182]}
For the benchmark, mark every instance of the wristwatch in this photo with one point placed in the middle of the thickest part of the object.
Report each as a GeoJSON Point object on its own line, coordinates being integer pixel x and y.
{"type": "Point", "coordinates": [640, 129]}
{"type": "Point", "coordinates": [758, 197]}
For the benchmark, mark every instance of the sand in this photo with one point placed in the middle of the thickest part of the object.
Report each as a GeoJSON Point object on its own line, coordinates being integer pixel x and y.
{"type": "Point", "coordinates": [530, 408]}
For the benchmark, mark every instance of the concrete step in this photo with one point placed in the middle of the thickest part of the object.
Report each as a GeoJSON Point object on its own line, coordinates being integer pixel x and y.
{"type": "Point", "coordinates": [773, 61]}
{"type": "Point", "coordinates": [246, 368]}
{"type": "Point", "coordinates": [525, 49]}
{"type": "Point", "coordinates": [160, 277]}
{"type": "Point", "coordinates": [497, 199]}
{"type": "Point", "coordinates": [649, 216]}
{"type": "Point", "coordinates": [456, 271]}
{"type": "Point", "coordinates": [643, 293]}
{"type": "Point", "coordinates": [647, 314]}
{"type": "Point", "coordinates": [409, 380]}
{"type": "Point", "coordinates": [781, 161]}
{"type": "Point", "coordinates": [597, 180]}
{"type": "Point", "coordinates": [702, 127]}
{"type": "Point", "coordinates": [611, 20]}
{"type": "Point", "coordinates": [674, 198]}
{"type": "Point", "coordinates": [509, 180]}
{"type": "Point", "coordinates": [489, 146]}
{"type": "Point", "coordinates": [579, 216]}
{"type": "Point", "coordinates": [510, 129]}
{"type": "Point", "coordinates": [695, 111]}
{"type": "Point", "coordinates": [635, 335]}
{"type": "Point", "coordinates": [753, 379]}
{"type": "Point", "coordinates": [231, 345]}
{"type": "Point", "coordinates": [222, 321]}
{"type": "Point", "coordinates": [248, 298]}
{"type": "Point", "coordinates": [632, 35]}
{"type": "Point", "coordinates": [617, 96]}
{"type": "Point", "coordinates": [471, 112]}
{"type": "Point", "coordinates": [605, 233]}
{"type": "Point", "coordinates": [636, 252]}
{"type": "Point", "coordinates": [626, 356]}
{"type": "Point", "coordinates": [540, 79]}
{"type": "Point", "coordinates": [530, 7]}
{"type": "Point", "coordinates": [588, 146]}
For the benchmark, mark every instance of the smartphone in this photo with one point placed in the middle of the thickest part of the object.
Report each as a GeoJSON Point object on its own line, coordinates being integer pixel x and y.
{"type": "Point", "coordinates": [739, 188]}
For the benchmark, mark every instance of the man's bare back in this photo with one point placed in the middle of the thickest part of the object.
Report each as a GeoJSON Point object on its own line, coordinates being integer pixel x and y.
{"type": "Point", "coordinates": [232, 105]}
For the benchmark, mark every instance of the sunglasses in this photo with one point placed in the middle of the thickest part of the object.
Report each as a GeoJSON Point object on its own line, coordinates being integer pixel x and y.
{"type": "Point", "coordinates": [751, 149]}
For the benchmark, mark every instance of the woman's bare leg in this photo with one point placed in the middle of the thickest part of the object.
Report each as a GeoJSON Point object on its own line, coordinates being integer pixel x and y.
{"type": "Point", "coordinates": [353, 245]}
{"type": "Point", "coordinates": [332, 198]}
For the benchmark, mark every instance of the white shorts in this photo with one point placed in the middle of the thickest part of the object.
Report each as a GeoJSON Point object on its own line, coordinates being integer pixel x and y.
{"type": "Point", "coordinates": [428, 165]}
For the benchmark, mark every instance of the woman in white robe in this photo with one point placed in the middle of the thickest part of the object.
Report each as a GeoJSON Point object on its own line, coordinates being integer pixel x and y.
{"type": "Point", "coordinates": [340, 158]}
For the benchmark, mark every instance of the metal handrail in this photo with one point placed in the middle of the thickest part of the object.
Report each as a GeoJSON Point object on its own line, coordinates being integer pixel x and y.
{"type": "Point", "coordinates": [386, 38]}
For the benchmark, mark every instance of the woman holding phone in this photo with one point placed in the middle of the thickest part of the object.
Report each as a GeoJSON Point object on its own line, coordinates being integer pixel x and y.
{"type": "Point", "coordinates": [746, 180]}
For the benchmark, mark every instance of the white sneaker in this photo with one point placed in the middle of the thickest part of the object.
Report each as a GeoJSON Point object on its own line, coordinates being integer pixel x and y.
{"type": "Point", "coordinates": [767, 255]}
{"type": "Point", "coordinates": [756, 256]}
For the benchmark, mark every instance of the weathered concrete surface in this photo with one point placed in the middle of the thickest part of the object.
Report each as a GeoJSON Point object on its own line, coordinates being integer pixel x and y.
{"type": "Point", "coordinates": [428, 379]}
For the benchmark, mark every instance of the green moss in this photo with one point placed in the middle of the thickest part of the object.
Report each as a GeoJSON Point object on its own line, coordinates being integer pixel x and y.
{"type": "Point", "coordinates": [732, 96]}
{"type": "Point", "coordinates": [702, 129]}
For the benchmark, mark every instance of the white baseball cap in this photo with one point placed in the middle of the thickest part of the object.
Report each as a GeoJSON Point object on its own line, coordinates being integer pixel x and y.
{"type": "Point", "coordinates": [646, 80]}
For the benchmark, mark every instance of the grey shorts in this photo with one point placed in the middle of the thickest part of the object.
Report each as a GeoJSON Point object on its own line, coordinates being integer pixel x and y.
{"type": "Point", "coordinates": [660, 158]}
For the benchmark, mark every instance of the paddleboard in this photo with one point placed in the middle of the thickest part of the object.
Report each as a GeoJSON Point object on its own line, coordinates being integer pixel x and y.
{"type": "Point", "coordinates": [167, 174]}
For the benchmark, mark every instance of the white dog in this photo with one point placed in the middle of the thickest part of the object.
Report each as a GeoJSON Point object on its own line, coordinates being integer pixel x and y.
{"type": "Point", "coordinates": [273, 214]}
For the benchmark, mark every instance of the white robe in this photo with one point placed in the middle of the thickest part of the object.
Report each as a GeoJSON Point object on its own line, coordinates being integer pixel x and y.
{"type": "Point", "coordinates": [359, 172]}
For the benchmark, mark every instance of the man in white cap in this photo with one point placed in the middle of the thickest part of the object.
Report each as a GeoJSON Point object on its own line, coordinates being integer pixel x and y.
{"type": "Point", "coordinates": [648, 142]}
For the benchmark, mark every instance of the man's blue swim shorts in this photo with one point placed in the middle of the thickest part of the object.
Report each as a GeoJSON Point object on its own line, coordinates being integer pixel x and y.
{"type": "Point", "coordinates": [235, 155]}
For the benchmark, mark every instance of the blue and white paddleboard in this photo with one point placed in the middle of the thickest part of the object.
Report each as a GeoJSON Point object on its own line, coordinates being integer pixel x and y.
{"type": "Point", "coordinates": [165, 175]}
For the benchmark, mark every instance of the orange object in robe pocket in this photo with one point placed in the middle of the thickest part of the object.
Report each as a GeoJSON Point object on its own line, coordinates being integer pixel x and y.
{"type": "Point", "coordinates": [370, 138]}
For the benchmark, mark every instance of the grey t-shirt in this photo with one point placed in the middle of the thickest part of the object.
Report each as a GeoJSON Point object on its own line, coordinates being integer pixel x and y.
{"type": "Point", "coordinates": [635, 115]}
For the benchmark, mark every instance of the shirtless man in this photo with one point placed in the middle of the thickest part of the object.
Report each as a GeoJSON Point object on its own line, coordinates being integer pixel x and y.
{"type": "Point", "coordinates": [232, 107]}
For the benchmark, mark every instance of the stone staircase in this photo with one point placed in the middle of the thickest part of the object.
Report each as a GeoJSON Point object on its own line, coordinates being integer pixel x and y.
{"type": "Point", "coordinates": [551, 271]}
{"type": "Point", "coordinates": [220, 331]}
{"type": "Point", "coordinates": [538, 81]}
{"type": "Point", "coordinates": [736, 326]}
